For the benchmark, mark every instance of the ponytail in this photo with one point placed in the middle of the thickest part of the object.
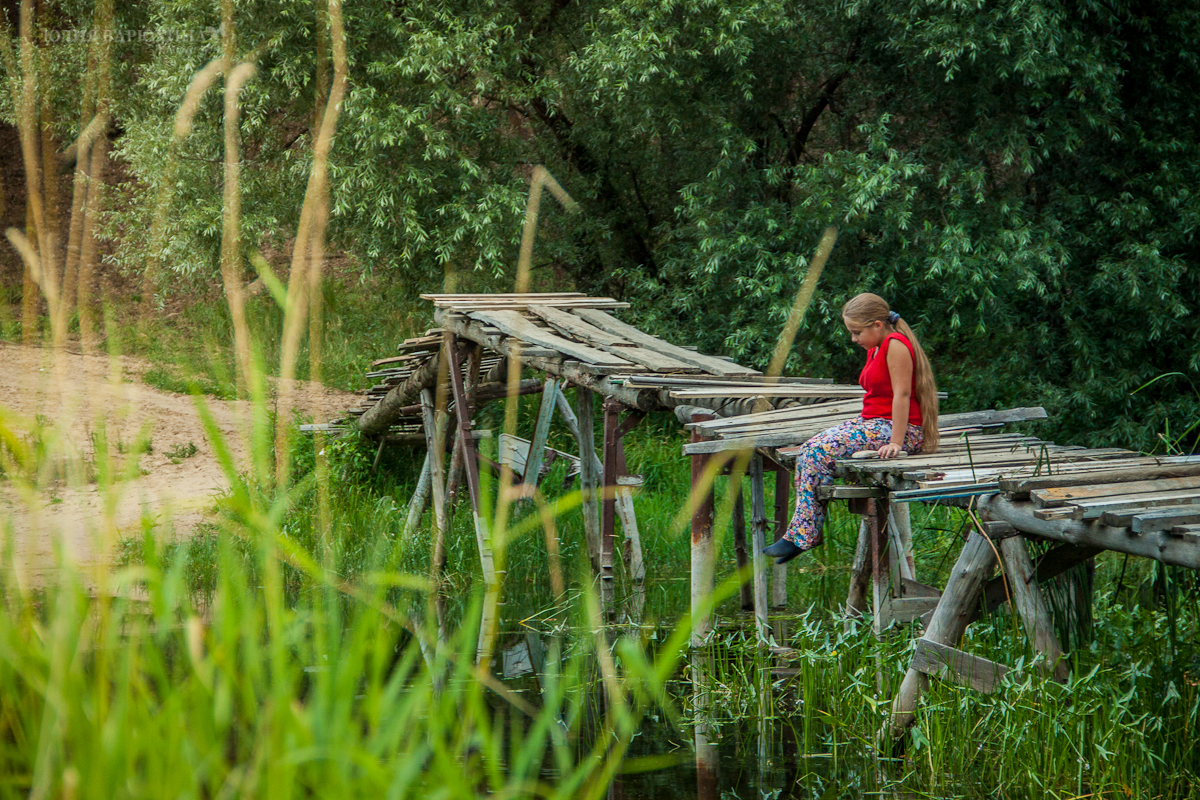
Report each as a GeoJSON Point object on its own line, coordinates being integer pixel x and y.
{"type": "Point", "coordinates": [927, 396]}
{"type": "Point", "coordinates": [865, 309]}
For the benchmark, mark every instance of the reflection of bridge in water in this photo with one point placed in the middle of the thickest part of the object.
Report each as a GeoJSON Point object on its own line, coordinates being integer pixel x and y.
{"type": "Point", "coordinates": [745, 425]}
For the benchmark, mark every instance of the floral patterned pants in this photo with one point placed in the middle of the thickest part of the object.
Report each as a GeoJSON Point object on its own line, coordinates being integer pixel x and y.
{"type": "Point", "coordinates": [815, 465]}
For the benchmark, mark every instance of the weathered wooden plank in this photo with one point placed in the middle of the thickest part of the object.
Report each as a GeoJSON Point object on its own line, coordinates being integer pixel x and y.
{"type": "Point", "coordinates": [945, 662]}
{"type": "Point", "coordinates": [1164, 519]}
{"type": "Point", "coordinates": [609, 323]}
{"type": "Point", "coordinates": [578, 373]}
{"type": "Point", "coordinates": [1054, 458]}
{"type": "Point", "coordinates": [781, 415]}
{"type": "Point", "coordinates": [911, 588]}
{"type": "Point", "coordinates": [512, 323]}
{"type": "Point", "coordinates": [990, 417]}
{"type": "Point", "coordinates": [1186, 530]}
{"type": "Point", "coordinates": [541, 433]}
{"type": "Point", "coordinates": [1093, 509]}
{"type": "Point", "coordinates": [791, 390]}
{"type": "Point", "coordinates": [1080, 472]}
{"type": "Point", "coordinates": [571, 325]}
{"type": "Point", "coordinates": [908, 609]}
{"type": "Point", "coordinates": [1064, 495]}
{"type": "Point", "coordinates": [1142, 469]}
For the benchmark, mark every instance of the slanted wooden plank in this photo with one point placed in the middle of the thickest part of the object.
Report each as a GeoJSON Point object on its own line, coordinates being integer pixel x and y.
{"type": "Point", "coordinates": [512, 323]}
{"type": "Point", "coordinates": [1064, 495]}
{"type": "Point", "coordinates": [945, 662]}
{"type": "Point", "coordinates": [609, 323]}
{"type": "Point", "coordinates": [572, 325]}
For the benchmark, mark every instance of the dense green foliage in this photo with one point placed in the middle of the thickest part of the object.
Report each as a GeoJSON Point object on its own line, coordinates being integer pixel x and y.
{"type": "Point", "coordinates": [1018, 178]}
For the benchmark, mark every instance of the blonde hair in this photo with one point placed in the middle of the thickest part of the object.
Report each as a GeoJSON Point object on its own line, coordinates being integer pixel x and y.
{"type": "Point", "coordinates": [866, 309]}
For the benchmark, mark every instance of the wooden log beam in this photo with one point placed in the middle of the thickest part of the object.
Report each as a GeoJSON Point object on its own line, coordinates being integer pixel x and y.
{"type": "Point", "coordinates": [1179, 551]}
{"type": "Point", "coordinates": [380, 416]}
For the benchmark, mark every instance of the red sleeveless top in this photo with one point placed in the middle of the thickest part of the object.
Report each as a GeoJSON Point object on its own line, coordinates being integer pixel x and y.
{"type": "Point", "coordinates": [876, 379]}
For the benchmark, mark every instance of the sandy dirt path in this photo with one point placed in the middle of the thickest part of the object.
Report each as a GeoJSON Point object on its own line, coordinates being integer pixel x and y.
{"type": "Point", "coordinates": [77, 396]}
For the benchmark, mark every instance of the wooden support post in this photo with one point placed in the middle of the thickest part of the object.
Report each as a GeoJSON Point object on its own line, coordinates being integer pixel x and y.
{"type": "Point", "coordinates": [880, 580]}
{"type": "Point", "coordinates": [625, 513]}
{"type": "Point", "coordinates": [758, 540]}
{"type": "Point", "coordinates": [435, 432]}
{"type": "Point", "coordinates": [856, 599]}
{"type": "Point", "coordinates": [949, 622]}
{"type": "Point", "coordinates": [901, 526]}
{"type": "Point", "coordinates": [703, 545]}
{"type": "Point", "coordinates": [589, 475]}
{"type": "Point", "coordinates": [608, 501]}
{"type": "Point", "coordinates": [462, 410]}
{"type": "Point", "coordinates": [1027, 597]}
{"type": "Point", "coordinates": [416, 506]}
{"type": "Point", "coordinates": [742, 558]}
{"type": "Point", "coordinates": [541, 433]}
{"type": "Point", "coordinates": [779, 571]}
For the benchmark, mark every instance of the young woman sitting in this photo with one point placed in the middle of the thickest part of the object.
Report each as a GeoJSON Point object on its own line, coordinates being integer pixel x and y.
{"type": "Point", "coordinates": [900, 412]}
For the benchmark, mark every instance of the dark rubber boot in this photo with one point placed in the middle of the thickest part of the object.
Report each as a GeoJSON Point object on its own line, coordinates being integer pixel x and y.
{"type": "Point", "coordinates": [783, 551]}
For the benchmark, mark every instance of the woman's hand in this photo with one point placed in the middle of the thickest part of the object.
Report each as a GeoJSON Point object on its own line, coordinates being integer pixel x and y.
{"type": "Point", "coordinates": [889, 450]}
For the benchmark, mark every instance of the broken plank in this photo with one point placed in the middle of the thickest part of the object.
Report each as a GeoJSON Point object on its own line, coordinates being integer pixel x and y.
{"type": "Point", "coordinates": [1164, 520]}
{"type": "Point", "coordinates": [512, 323]}
{"type": "Point", "coordinates": [609, 323]}
{"type": "Point", "coordinates": [1093, 509]}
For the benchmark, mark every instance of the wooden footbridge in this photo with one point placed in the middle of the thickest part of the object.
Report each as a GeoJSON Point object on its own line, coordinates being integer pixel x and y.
{"type": "Point", "coordinates": [744, 424]}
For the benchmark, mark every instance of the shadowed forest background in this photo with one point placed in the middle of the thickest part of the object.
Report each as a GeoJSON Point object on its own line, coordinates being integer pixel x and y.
{"type": "Point", "coordinates": [1018, 178]}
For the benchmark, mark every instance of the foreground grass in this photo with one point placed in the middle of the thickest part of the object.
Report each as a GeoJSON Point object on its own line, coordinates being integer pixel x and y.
{"type": "Point", "coordinates": [273, 650]}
